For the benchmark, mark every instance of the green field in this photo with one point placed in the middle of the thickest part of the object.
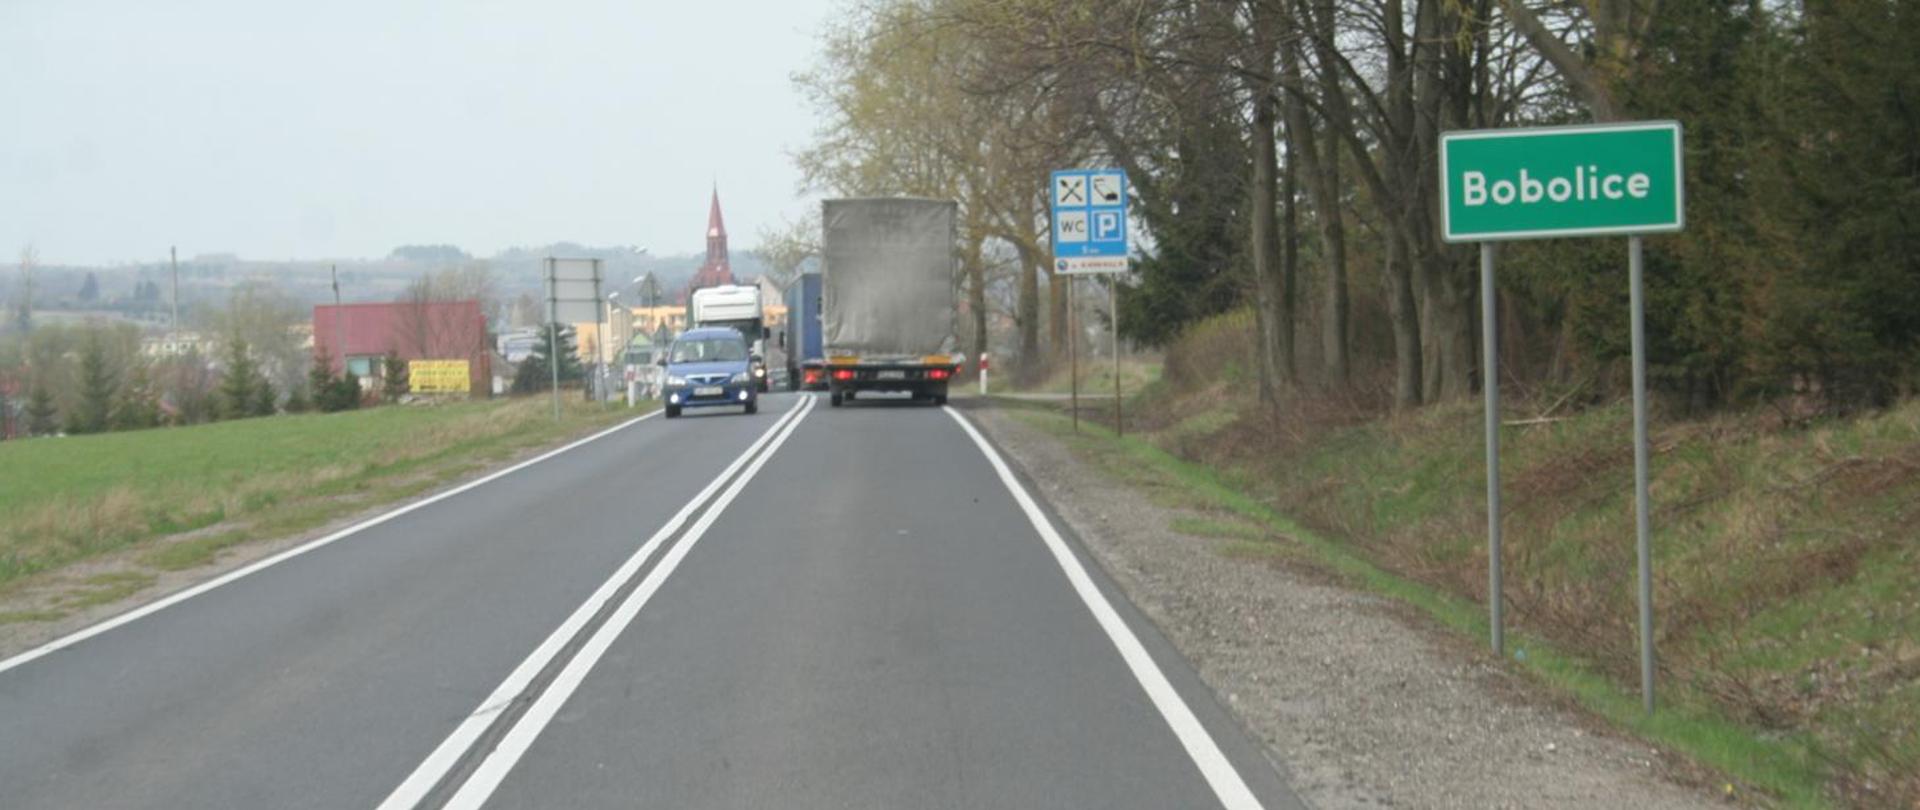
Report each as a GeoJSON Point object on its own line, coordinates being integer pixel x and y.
{"type": "Point", "coordinates": [67, 499]}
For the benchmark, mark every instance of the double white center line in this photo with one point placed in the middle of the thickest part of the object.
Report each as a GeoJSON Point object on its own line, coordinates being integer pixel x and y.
{"type": "Point", "coordinates": [459, 747]}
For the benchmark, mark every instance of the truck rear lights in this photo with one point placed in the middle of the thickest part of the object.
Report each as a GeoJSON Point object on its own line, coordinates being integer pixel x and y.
{"type": "Point", "coordinates": [812, 375]}
{"type": "Point", "coordinates": [938, 374]}
{"type": "Point", "coordinates": [843, 374]}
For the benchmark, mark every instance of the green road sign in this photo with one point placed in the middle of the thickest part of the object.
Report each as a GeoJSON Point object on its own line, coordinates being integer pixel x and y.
{"type": "Point", "coordinates": [1499, 184]}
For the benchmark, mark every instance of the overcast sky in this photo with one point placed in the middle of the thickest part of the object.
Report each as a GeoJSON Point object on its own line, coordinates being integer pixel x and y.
{"type": "Point", "coordinates": [343, 128]}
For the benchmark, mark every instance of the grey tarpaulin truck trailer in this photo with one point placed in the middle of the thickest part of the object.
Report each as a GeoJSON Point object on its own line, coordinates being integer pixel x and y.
{"type": "Point", "coordinates": [888, 279]}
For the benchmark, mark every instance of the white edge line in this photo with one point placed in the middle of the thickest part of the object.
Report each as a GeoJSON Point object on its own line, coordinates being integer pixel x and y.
{"type": "Point", "coordinates": [1228, 787]}
{"type": "Point", "coordinates": [181, 596]}
{"type": "Point", "coordinates": [445, 756]}
{"type": "Point", "coordinates": [488, 776]}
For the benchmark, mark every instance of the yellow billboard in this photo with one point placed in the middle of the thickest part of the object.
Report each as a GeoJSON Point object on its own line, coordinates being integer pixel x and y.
{"type": "Point", "coordinates": [438, 377]}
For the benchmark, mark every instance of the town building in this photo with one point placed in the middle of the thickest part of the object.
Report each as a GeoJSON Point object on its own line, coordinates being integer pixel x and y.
{"type": "Point", "coordinates": [357, 338]}
{"type": "Point", "coordinates": [179, 344]}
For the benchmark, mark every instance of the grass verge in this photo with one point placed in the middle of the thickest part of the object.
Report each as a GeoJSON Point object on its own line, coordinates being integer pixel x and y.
{"type": "Point", "coordinates": [1788, 766]}
{"type": "Point", "coordinates": [64, 500]}
{"type": "Point", "coordinates": [1096, 377]}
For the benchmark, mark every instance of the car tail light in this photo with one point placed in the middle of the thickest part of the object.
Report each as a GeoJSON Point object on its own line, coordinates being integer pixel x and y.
{"type": "Point", "coordinates": [812, 375]}
{"type": "Point", "coordinates": [938, 374]}
{"type": "Point", "coordinates": [843, 374]}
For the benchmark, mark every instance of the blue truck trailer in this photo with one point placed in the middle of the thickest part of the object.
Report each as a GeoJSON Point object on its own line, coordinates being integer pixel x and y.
{"type": "Point", "coordinates": [806, 357]}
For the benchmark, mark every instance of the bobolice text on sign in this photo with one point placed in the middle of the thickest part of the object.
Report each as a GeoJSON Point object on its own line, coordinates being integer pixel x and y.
{"type": "Point", "coordinates": [1501, 184]}
{"type": "Point", "coordinates": [438, 377]}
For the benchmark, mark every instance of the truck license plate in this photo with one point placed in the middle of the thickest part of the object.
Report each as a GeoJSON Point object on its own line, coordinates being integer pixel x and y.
{"type": "Point", "coordinates": [708, 391]}
{"type": "Point", "coordinates": [890, 375]}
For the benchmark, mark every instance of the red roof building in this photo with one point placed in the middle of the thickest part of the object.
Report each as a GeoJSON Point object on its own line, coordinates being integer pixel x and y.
{"type": "Point", "coordinates": [357, 337]}
{"type": "Point", "coordinates": [717, 270]}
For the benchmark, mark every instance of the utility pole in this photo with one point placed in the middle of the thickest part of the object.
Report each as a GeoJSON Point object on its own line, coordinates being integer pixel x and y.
{"type": "Point", "coordinates": [27, 257]}
{"type": "Point", "coordinates": [173, 258]}
{"type": "Point", "coordinates": [339, 339]}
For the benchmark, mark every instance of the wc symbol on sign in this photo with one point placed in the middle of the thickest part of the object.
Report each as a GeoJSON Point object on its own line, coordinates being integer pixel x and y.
{"type": "Point", "coordinates": [1106, 226]}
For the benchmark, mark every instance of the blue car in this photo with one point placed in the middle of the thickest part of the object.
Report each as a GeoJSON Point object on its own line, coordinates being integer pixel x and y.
{"type": "Point", "coordinates": [709, 367]}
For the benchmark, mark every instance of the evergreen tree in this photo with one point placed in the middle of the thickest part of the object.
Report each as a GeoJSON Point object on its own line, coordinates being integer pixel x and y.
{"type": "Point", "coordinates": [265, 399]}
{"type": "Point", "coordinates": [346, 393]}
{"type": "Point", "coordinates": [570, 369]}
{"type": "Point", "coordinates": [90, 289]}
{"type": "Point", "coordinates": [137, 409]}
{"type": "Point", "coordinates": [393, 378]}
{"type": "Point", "coordinates": [239, 388]}
{"type": "Point", "coordinates": [531, 377]}
{"type": "Point", "coordinates": [42, 416]}
{"type": "Point", "coordinates": [97, 387]}
{"type": "Point", "coordinates": [296, 401]}
{"type": "Point", "coordinates": [321, 383]}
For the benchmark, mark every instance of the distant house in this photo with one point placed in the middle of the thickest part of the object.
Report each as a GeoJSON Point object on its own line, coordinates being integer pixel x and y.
{"type": "Point", "coordinates": [358, 337]}
{"type": "Point", "coordinates": [519, 344]}
{"type": "Point", "coordinates": [178, 344]}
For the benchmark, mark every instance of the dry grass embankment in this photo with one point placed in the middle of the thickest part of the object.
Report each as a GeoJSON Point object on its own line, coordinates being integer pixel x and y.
{"type": "Point", "coordinates": [1787, 557]}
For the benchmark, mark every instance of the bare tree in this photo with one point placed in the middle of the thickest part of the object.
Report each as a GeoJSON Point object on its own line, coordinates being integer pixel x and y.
{"type": "Point", "coordinates": [262, 316]}
{"type": "Point", "coordinates": [427, 326]}
{"type": "Point", "coordinates": [787, 247]}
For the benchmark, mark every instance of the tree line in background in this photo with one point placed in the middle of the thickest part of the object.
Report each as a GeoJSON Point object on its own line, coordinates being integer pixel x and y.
{"type": "Point", "coordinates": [93, 376]}
{"type": "Point", "coordinates": [1283, 155]}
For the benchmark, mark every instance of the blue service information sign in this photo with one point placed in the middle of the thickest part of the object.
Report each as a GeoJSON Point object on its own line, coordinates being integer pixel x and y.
{"type": "Point", "coordinates": [1090, 220]}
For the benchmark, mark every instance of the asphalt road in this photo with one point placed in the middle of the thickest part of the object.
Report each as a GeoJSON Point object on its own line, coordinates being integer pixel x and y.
{"type": "Point", "coordinates": [808, 607]}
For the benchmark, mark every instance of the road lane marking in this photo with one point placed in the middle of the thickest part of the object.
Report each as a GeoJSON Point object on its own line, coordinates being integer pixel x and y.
{"type": "Point", "coordinates": [421, 783]}
{"type": "Point", "coordinates": [486, 778]}
{"type": "Point", "coordinates": [1228, 787]}
{"type": "Point", "coordinates": [181, 596]}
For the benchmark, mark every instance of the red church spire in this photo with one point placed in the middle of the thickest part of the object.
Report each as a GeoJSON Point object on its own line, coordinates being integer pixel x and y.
{"type": "Point", "coordinates": [716, 232]}
{"type": "Point", "coordinates": [717, 270]}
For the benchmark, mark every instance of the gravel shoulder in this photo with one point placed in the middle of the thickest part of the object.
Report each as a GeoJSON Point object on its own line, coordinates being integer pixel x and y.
{"type": "Point", "coordinates": [1365, 703]}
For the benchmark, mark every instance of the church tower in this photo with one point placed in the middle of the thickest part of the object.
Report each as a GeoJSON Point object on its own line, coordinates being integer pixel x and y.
{"type": "Point", "coordinates": [716, 270]}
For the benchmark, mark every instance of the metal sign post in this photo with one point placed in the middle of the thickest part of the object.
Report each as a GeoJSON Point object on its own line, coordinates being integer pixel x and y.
{"type": "Point", "coordinates": [1490, 388]}
{"type": "Point", "coordinates": [1611, 179]}
{"type": "Point", "coordinates": [553, 337]}
{"type": "Point", "coordinates": [1113, 320]}
{"type": "Point", "coordinates": [1073, 355]}
{"type": "Point", "coordinates": [1641, 503]}
{"type": "Point", "coordinates": [573, 293]}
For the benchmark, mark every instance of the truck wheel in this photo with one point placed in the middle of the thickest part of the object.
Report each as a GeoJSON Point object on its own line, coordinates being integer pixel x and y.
{"type": "Point", "coordinates": [836, 398]}
{"type": "Point", "coordinates": [849, 396]}
{"type": "Point", "coordinates": [753, 406]}
{"type": "Point", "coordinates": [673, 411]}
{"type": "Point", "coordinates": [939, 400]}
